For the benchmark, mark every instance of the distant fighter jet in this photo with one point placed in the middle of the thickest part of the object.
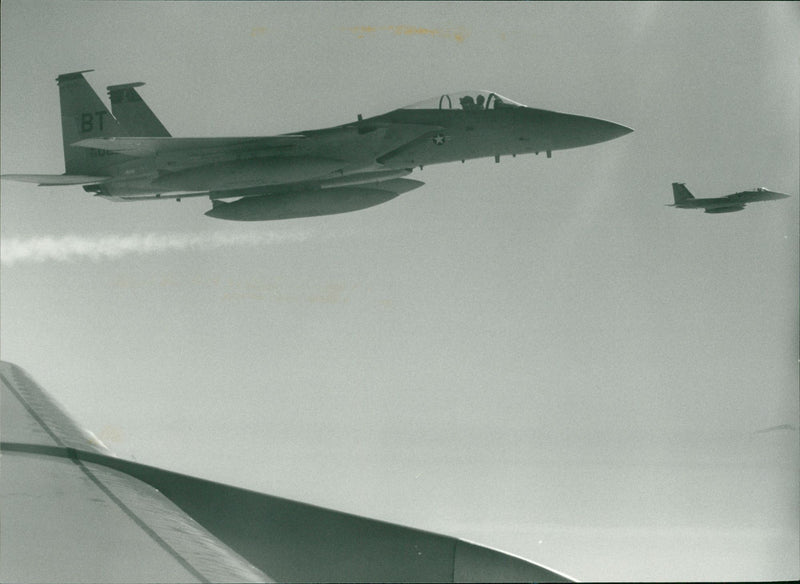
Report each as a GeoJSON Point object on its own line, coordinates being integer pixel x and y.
{"type": "Point", "coordinates": [129, 155]}
{"type": "Point", "coordinates": [727, 204]}
{"type": "Point", "coordinates": [776, 429]}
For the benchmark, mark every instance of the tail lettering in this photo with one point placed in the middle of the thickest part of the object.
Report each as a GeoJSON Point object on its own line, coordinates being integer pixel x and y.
{"type": "Point", "coordinates": [84, 115]}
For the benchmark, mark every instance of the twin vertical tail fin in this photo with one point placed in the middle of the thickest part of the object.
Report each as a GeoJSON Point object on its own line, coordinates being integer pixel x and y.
{"type": "Point", "coordinates": [681, 193]}
{"type": "Point", "coordinates": [84, 115]}
{"type": "Point", "coordinates": [133, 113]}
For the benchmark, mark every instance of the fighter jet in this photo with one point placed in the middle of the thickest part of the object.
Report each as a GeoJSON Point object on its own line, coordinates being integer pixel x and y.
{"type": "Point", "coordinates": [129, 155]}
{"type": "Point", "coordinates": [727, 204]}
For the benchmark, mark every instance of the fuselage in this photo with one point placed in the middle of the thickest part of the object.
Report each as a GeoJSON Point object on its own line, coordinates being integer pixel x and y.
{"type": "Point", "coordinates": [362, 151]}
{"type": "Point", "coordinates": [466, 135]}
{"type": "Point", "coordinates": [130, 155]}
{"type": "Point", "coordinates": [734, 202]}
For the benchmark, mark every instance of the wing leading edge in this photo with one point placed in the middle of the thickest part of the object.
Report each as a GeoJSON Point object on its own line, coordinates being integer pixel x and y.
{"type": "Point", "coordinates": [68, 516]}
{"type": "Point", "coordinates": [106, 519]}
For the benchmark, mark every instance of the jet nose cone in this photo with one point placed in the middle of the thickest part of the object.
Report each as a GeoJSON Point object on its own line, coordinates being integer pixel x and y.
{"type": "Point", "coordinates": [571, 131]}
{"type": "Point", "coordinates": [774, 195]}
{"type": "Point", "coordinates": [602, 130]}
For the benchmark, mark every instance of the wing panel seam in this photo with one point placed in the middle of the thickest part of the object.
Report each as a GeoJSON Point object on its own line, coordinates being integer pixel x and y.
{"type": "Point", "coordinates": [32, 412]}
{"type": "Point", "coordinates": [136, 519]}
{"type": "Point", "coordinates": [74, 454]}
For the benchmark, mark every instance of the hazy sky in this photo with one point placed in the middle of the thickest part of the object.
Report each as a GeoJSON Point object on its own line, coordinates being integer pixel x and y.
{"type": "Point", "coordinates": [537, 355]}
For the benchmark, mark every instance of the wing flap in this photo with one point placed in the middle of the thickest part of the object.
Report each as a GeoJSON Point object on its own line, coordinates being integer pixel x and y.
{"type": "Point", "coordinates": [145, 146]}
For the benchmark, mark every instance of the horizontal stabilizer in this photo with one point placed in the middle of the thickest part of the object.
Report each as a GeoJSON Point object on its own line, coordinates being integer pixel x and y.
{"type": "Point", "coordinates": [54, 180]}
{"type": "Point", "coordinates": [146, 146]}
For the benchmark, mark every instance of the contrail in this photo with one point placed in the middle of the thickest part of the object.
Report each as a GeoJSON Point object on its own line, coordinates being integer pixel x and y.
{"type": "Point", "coordinates": [69, 248]}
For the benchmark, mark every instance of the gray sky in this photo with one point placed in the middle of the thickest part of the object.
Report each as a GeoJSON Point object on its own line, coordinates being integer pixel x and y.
{"type": "Point", "coordinates": [536, 355]}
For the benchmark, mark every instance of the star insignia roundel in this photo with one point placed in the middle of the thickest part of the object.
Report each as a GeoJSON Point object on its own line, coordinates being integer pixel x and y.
{"type": "Point", "coordinates": [438, 139]}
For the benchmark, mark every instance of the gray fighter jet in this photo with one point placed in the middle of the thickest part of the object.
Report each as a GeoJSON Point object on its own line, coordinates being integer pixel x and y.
{"type": "Point", "coordinates": [130, 155]}
{"type": "Point", "coordinates": [727, 204]}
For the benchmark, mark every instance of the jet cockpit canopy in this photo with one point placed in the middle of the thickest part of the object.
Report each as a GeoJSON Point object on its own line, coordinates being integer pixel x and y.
{"type": "Point", "coordinates": [466, 100]}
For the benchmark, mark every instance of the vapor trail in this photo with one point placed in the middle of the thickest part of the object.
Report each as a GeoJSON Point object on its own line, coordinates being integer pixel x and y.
{"type": "Point", "coordinates": [69, 248]}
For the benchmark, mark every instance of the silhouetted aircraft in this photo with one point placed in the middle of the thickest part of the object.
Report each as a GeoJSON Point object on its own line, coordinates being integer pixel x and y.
{"type": "Point", "coordinates": [128, 154]}
{"type": "Point", "coordinates": [776, 429]}
{"type": "Point", "coordinates": [727, 204]}
{"type": "Point", "coordinates": [73, 512]}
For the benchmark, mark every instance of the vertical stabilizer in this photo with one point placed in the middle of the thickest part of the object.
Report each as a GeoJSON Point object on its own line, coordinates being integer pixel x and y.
{"type": "Point", "coordinates": [133, 113]}
{"type": "Point", "coordinates": [84, 115]}
{"type": "Point", "coordinates": [681, 193]}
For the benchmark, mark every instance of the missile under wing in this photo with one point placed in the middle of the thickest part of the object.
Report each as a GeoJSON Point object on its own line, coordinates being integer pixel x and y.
{"type": "Point", "coordinates": [73, 512]}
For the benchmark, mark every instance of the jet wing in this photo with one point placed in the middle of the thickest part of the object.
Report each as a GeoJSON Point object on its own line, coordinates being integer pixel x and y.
{"type": "Point", "coordinates": [67, 519]}
{"type": "Point", "coordinates": [74, 513]}
{"type": "Point", "coordinates": [55, 180]}
{"type": "Point", "coordinates": [145, 146]}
